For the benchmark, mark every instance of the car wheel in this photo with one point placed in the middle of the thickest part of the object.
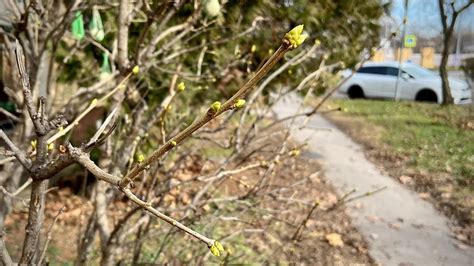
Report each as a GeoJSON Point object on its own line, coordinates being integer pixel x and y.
{"type": "Point", "coordinates": [426, 95]}
{"type": "Point", "coordinates": [355, 92]}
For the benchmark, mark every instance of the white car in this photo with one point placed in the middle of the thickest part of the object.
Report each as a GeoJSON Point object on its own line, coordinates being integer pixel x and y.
{"type": "Point", "coordinates": [379, 80]}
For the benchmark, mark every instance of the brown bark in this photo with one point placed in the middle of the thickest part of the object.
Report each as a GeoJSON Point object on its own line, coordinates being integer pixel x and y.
{"type": "Point", "coordinates": [447, 97]}
{"type": "Point", "coordinates": [35, 221]}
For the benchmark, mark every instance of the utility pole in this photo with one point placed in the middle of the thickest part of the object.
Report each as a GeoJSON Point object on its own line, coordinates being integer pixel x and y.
{"type": "Point", "coordinates": [397, 84]}
{"type": "Point", "coordinates": [458, 43]}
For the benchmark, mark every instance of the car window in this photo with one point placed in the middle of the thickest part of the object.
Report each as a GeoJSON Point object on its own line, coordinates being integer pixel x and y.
{"type": "Point", "coordinates": [419, 72]}
{"type": "Point", "coordinates": [373, 70]}
{"type": "Point", "coordinates": [392, 71]}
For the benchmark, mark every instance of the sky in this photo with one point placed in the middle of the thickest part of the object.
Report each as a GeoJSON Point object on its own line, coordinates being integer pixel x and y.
{"type": "Point", "coordinates": [424, 18]}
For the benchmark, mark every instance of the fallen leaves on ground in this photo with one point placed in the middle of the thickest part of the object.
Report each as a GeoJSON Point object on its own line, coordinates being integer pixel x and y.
{"type": "Point", "coordinates": [335, 240]}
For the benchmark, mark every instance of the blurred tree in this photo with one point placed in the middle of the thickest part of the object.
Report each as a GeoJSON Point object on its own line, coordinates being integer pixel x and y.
{"type": "Point", "coordinates": [449, 12]}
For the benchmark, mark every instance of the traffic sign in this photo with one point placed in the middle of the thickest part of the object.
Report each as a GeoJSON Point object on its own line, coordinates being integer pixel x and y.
{"type": "Point", "coordinates": [410, 41]}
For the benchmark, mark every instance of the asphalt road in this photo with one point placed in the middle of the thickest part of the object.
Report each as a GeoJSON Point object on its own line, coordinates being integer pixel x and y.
{"type": "Point", "coordinates": [401, 228]}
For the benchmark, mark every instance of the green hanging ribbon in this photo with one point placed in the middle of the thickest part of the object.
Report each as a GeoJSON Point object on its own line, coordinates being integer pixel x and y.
{"type": "Point", "coordinates": [78, 26]}
{"type": "Point", "coordinates": [105, 68]}
{"type": "Point", "coordinates": [96, 27]}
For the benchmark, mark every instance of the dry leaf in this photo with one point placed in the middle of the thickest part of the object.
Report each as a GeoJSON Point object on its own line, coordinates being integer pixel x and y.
{"type": "Point", "coordinates": [335, 240]}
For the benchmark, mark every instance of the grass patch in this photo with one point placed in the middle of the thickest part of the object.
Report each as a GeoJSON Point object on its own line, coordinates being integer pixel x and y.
{"type": "Point", "coordinates": [432, 138]}
{"type": "Point", "coordinates": [432, 144]}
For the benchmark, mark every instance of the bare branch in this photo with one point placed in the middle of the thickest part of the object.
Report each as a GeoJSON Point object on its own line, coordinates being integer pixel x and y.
{"type": "Point", "coordinates": [466, 6]}
{"type": "Point", "coordinates": [210, 114]}
{"type": "Point", "coordinates": [27, 94]}
{"type": "Point", "coordinates": [9, 115]}
{"type": "Point", "coordinates": [19, 155]}
{"type": "Point", "coordinates": [102, 127]}
{"type": "Point", "coordinates": [18, 191]}
{"type": "Point", "coordinates": [49, 237]}
{"type": "Point", "coordinates": [122, 37]}
{"type": "Point", "coordinates": [83, 159]}
{"type": "Point", "coordinates": [5, 258]}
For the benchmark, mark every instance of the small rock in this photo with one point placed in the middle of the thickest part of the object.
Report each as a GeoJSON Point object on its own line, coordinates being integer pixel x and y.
{"type": "Point", "coordinates": [461, 237]}
{"type": "Point", "coordinates": [418, 226]}
{"type": "Point", "coordinates": [424, 195]}
{"type": "Point", "coordinates": [446, 195]}
{"type": "Point", "coordinates": [374, 236]}
{"type": "Point", "coordinates": [461, 246]}
{"type": "Point", "coordinates": [372, 218]}
{"type": "Point", "coordinates": [394, 226]}
{"type": "Point", "coordinates": [406, 180]}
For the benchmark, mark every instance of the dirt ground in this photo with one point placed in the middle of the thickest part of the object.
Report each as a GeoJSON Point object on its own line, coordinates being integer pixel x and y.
{"type": "Point", "coordinates": [429, 186]}
{"type": "Point", "coordinates": [325, 238]}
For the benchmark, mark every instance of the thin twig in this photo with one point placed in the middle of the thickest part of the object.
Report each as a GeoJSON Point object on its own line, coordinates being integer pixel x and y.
{"type": "Point", "coordinates": [21, 157]}
{"type": "Point", "coordinates": [49, 237]}
{"type": "Point", "coordinates": [209, 115]}
{"type": "Point", "coordinates": [298, 231]}
{"type": "Point", "coordinates": [5, 258]}
{"type": "Point", "coordinates": [9, 115]}
{"type": "Point", "coordinates": [83, 159]}
{"type": "Point", "coordinates": [18, 191]}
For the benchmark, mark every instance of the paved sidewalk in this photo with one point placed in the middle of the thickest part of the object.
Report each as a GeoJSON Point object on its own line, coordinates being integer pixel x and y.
{"type": "Point", "coordinates": [401, 228]}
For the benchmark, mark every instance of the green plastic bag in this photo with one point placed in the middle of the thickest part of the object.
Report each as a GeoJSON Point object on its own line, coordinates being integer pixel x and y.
{"type": "Point", "coordinates": [78, 26]}
{"type": "Point", "coordinates": [105, 68]}
{"type": "Point", "coordinates": [96, 27]}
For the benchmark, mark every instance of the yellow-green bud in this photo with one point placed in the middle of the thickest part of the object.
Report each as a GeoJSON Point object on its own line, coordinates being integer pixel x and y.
{"type": "Point", "coordinates": [239, 103]}
{"type": "Point", "coordinates": [294, 153]}
{"type": "Point", "coordinates": [296, 36]}
{"type": "Point", "coordinates": [317, 42]}
{"type": "Point", "coordinates": [135, 70]}
{"type": "Point", "coordinates": [253, 49]}
{"type": "Point", "coordinates": [214, 250]}
{"type": "Point", "coordinates": [219, 246]}
{"type": "Point", "coordinates": [212, 8]}
{"type": "Point", "coordinates": [50, 146]}
{"type": "Point", "coordinates": [141, 158]}
{"type": "Point", "coordinates": [33, 144]}
{"type": "Point", "coordinates": [270, 51]}
{"type": "Point", "coordinates": [94, 101]}
{"type": "Point", "coordinates": [216, 106]}
{"type": "Point", "coordinates": [61, 128]}
{"type": "Point", "coordinates": [173, 143]}
{"type": "Point", "coordinates": [181, 87]}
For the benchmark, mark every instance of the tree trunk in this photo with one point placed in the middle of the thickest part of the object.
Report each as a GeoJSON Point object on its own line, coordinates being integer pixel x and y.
{"type": "Point", "coordinates": [447, 97]}
{"type": "Point", "coordinates": [35, 221]}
